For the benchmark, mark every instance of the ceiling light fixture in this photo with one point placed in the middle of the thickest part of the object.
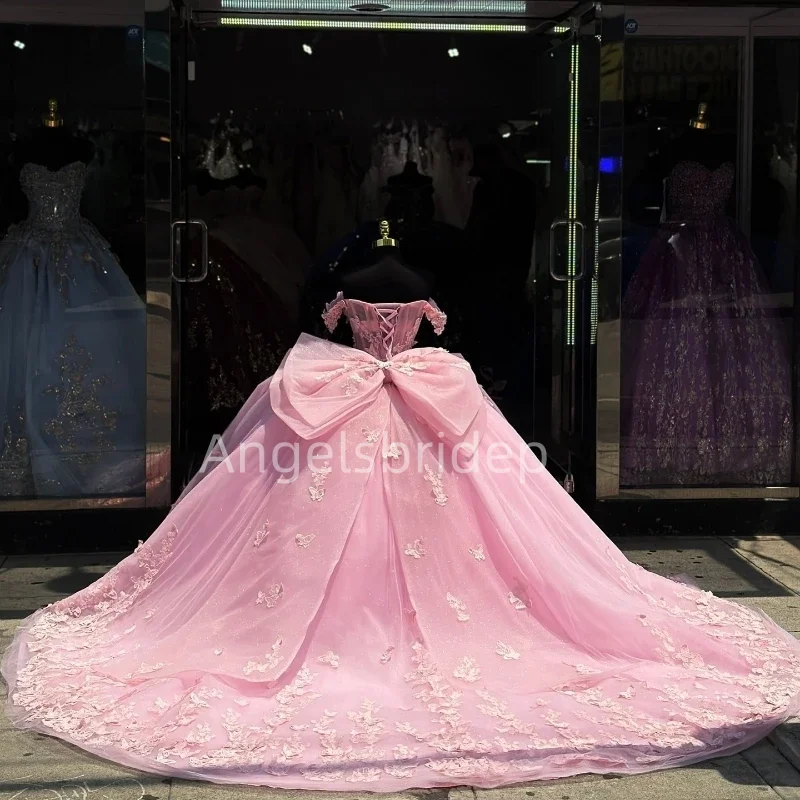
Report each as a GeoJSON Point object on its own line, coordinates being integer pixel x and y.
{"type": "Point", "coordinates": [465, 8]}
{"type": "Point", "coordinates": [505, 130]}
{"type": "Point", "coordinates": [19, 45]}
{"type": "Point", "coordinates": [377, 24]}
{"type": "Point", "coordinates": [453, 52]}
{"type": "Point", "coordinates": [308, 49]}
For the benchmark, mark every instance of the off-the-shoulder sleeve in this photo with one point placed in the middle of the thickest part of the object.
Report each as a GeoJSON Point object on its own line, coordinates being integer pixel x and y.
{"type": "Point", "coordinates": [436, 317]}
{"type": "Point", "coordinates": [333, 311]}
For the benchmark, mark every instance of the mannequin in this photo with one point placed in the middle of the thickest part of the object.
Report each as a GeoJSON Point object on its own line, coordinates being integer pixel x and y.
{"type": "Point", "coordinates": [700, 144]}
{"type": "Point", "coordinates": [388, 278]}
{"type": "Point", "coordinates": [695, 320]}
{"type": "Point", "coordinates": [73, 333]}
{"type": "Point", "coordinates": [53, 145]}
{"type": "Point", "coordinates": [434, 250]}
{"type": "Point", "coordinates": [411, 204]}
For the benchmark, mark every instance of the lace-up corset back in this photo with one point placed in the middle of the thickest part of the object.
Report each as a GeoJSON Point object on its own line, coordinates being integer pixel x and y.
{"type": "Point", "coordinates": [384, 329]}
{"type": "Point", "coordinates": [697, 192]}
{"type": "Point", "coordinates": [54, 197]}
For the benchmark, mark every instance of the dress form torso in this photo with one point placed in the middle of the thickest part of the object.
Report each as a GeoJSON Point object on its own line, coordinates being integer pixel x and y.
{"type": "Point", "coordinates": [692, 152]}
{"type": "Point", "coordinates": [702, 146]}
{"type": "Point", "coordinates": [54, 148]}
{"type": "Point", "coordinates": [389, 279]}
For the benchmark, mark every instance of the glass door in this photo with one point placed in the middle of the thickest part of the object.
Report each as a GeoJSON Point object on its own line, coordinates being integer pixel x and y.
{"type": "Point", "coordinates": [447, 133]}
{"type": "Point", "coordinates": [188, 243]}
{"type": "Point", "coordinates": [770, 207]}
{"type": "Point", "coordinates": [567, 250]}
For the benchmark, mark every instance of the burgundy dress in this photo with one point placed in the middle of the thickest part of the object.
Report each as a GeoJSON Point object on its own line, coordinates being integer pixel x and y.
{"type": "Point", "coordinates": [706, 396]}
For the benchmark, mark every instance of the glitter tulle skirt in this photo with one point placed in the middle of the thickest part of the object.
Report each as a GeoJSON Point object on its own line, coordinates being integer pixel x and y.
{"type": "Point", "coordinates": [706, 392]}
{"type": "Point", "coordinates": [321, 618]}
{"type": "Point", "coordinates": [72, 366]}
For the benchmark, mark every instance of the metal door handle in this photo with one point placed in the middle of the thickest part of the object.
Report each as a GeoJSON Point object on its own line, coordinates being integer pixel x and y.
{"type": "Point", "coordinates": [579, 250]}
{"type": "Point", "coordinates": [175, 249]}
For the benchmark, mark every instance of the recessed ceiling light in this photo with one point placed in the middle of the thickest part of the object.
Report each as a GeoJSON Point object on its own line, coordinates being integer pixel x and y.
{"type": "Point", "coordinates": [19, 45]}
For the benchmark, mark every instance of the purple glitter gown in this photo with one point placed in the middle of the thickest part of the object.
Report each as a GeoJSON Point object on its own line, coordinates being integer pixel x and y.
{"type": "Point", "coordinates": [706, 396]}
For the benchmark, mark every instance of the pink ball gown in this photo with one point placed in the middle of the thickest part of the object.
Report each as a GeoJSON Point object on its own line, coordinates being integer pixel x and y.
{"type": "Point", "coordinates": [398, 596]}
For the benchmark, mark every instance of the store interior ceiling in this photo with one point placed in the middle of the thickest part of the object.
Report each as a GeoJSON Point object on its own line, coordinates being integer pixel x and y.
{"type": "Point", "coordinates": [129, 12]}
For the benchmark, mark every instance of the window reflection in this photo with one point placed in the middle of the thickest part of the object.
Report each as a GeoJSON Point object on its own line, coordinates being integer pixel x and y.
{"type": "Point", "coordinates": [292, 177]}
{"type": "Point", "coordinates": [72, 323]}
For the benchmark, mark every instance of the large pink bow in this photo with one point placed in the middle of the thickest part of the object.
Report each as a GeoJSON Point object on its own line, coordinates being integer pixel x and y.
{"type": "Point", "coordinates": [321, 385]}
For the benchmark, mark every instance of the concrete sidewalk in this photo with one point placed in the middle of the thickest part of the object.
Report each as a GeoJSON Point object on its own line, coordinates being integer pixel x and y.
{"type": "Point", "coordinates": [761, 571]}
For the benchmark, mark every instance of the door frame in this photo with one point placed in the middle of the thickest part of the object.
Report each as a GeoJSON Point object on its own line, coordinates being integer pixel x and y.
{"type": "Point", "coordinates": [566, 283]}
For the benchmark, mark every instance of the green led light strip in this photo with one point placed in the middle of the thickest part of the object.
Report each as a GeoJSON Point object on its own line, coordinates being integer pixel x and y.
{"type": "Point", "coordinates": [378, 24]}
{"type": "Point", "coordinates": [572, 197]}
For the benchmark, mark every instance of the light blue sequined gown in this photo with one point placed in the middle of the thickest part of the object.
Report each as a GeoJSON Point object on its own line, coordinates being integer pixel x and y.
{"type": "Point", "coordinates": [72, 351]}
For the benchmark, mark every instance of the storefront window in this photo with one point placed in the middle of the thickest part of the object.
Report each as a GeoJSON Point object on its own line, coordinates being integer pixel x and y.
{"type": "Point", "coordinates": [706, 394]}
{"type": "Point", "coordinates": [72, 315]}
{"type": "Point", "coordinates": [443, 136]}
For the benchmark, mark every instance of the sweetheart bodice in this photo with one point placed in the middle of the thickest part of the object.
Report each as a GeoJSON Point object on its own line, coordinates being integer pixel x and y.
{"type": "Point", "coordinates": [54, 196]}
{"type": "Point", "coordinates": [384, 329]}
{"type": "Point", "coordinates": [697, 192]}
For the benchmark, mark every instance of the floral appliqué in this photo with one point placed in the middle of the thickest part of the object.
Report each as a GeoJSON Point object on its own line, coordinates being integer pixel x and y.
{"type": "Point", "coordinates": [146, 669]}
{"type": "Point", "coordinates": [317, 489]}
{"type": "Point", "coordinates": [437, 488]}
{"type": "Point", "coordinates": [261, 534]}
{"type": "Point", "coordinates": [271, 660]}
{"type": "Point", "coordinates": [477, 553]}
{"type": "Point", "coordinates": [459, 607]}
{"type": "Point", "coordinates": [271, 598]}
{"type": "Point", "coordinates": [467, 670]}
{"type": "Point", "coordinates": [304, 540]}
{"type": "Point", "coordinates": [370, 436]}
{"type": "Point", "coordinates": [506, 651]}
{"type": "Point", "coordinates": [333, 312]}
{"type": "Point", "coordinates": [393, 451]}
{"type": "Point", "coordinates": [329, 658]}
{"type": "Point", "coordinates": [409, 367]}
{"type": "Point", "coordinates": [516, 602]}
{"type": "Point", "coordinates": [436, 317]}
{"type": "Point", "coordinates": [415, 550]}
{"type": "Point", "coordinates": [368, 726]}
{"type": "Point", "coordinates": [352, 383]}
